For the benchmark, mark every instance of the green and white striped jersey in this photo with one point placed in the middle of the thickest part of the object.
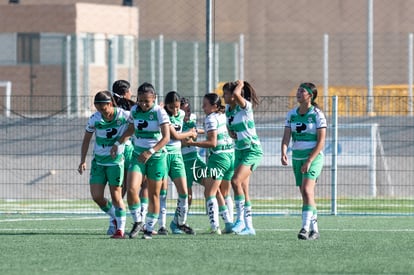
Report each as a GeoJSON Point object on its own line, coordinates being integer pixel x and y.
{"type": "Point", "coordinates": [241, 122]}
{"type": "Point", "coordinates": [189, 152]}
{"type": "Point", "coordinates": [106, 134]}
{"type": "Point", "coordinates": [174, 145]}
{"type": "Point", "coordinates": [147, 126]}
{"type": "Point", "coordinates": [217, 121]}
{"type": "Point", "coordinates": [304, 130]}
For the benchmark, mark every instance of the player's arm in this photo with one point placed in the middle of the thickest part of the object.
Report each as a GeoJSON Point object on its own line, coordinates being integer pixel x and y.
{"type": "Point", "coordinates": [127, 135]}
{"type": "Point", "coordinates": [320, 143]}
{"type": "Point", "coordinates": [237, 94]}
{"type": "Point", "coordinates": [165, 132]}
{"type": "Point", "coordinates": [210, 142]}
{"type": "Point", "coordinates": [285, 145]}
{"type": "Point", "coordinates": [84, 151]}
{"type": "Point", "coordinates": [181, 136]}
{"type": "Point", "coordinates": [200, 131]}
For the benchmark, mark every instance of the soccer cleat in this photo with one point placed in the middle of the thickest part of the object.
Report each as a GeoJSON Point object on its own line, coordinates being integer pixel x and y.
{"type": "Point", "coordinates": [313, 235]}
{"type": "Point", "coordinates": [247, 232]}
{"type": "Point", "coordinates": [162, 231]}
{"type": "Point", "coordinates": [136, 227]}
{"type": "Point", "coordinates": [144, 228]}
{"type": "Point", "coordinates": [147, 235]}
{"type": "Point", "coordinates": [186, 229]}
{"type": "Point", "coordinates": [303, 234]}
{"type": "Point", "coordinates": [112, 227]}
{"type": "Point", "coordinates": [118, 235]}
{"type": "Point", "coordinates": [175, 229]}
{"type": "Point", "coordinates": [238, 226]}
{"type": "Point", "coordinates": [216, 231]}
{"type": "Point", "coordinates": [228, 228]}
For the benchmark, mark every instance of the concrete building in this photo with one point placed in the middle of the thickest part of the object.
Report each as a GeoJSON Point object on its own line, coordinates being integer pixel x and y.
{"type": "Point", "coordinates": [66, 49]}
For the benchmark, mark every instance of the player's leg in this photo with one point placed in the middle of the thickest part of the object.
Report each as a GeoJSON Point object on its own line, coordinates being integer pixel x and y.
{"type": "Point", "coordinates": [97, 183]}
{"type": "Point", "coordinates": [115, 181]}
{"type": "Point", "coordinates": [211, 189]}
{"type": "Point", "coordinates": [134, 179]}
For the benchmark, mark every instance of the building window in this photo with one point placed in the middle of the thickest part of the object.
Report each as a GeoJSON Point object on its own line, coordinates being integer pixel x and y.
{"type": "Point", "coordinates": [28, 48]}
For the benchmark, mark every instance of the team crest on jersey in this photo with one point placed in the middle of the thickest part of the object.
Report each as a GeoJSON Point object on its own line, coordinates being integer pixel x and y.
{"type": "Point", "coordinates": [151, 116]}
{"type": "Point", "coordinates": [177, 127]}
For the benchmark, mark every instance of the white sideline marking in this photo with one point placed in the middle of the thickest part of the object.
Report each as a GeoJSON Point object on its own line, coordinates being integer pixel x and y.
{"type": "Point", "coordinates": [197, 229]}
{"type": "Point", "coordinates": [201, 230]}
{"type": "Point", "coordinates": [345, 230]}
{"type": "Point", "coordinates": [51, 219]}
{"type": "Point", "coordinates": [48, 229]}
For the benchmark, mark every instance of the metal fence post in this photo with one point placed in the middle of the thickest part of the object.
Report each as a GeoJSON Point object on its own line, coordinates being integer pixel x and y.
{"type": "Point", "coordinates": [334, 166]}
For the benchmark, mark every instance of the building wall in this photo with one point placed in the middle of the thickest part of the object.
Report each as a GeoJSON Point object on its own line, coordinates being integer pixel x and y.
{"type": "Point", "coordinates": [59, 20]}
{"type": "Point", "coordinates": [284, 39]}
{"type": "Point", "coordinates": [69, 19]}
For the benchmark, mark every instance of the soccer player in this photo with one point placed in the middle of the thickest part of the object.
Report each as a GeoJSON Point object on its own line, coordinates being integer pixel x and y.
{"type": "Point", "coordinates": [149, 128]}
{"type": "Point", "coordinates": [306, 125]}
{"type": "Point", "coordinates": [192, 159]}
{"type": "Point", "coordinates": [240, 98]}
{"type": "Point", "coordinates": [195, 167]}
{"type": "Point", "coordinates": [175, 168]}
{"type": "Point", "coordinates": [220, 162]}
{"type": "Point", "coordinates": [121, 90]}
{"type": "Point", "coordinates": [109, 123]}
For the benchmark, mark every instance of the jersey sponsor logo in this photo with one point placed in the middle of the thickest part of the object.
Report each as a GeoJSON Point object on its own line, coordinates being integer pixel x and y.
{"type": "Point", "coordinates": [177, 127]}
{"type": "Point", "coordinates": [142, 124]}
{"type": "Point", "coordinates": [300, 127]}
{"type": "Point", "coordinates": [111, 132]}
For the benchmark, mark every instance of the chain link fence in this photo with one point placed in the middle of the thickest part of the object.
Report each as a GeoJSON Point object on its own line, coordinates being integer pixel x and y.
{"type": "Point", "coordinates": [360, 51]}
{"type": "Point", "coordinates": [40, 154]}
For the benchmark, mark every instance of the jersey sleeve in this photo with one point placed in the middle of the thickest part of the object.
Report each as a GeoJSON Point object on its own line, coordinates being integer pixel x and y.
{"type": "Point", "coordinates": [210, 123]}
{"type": "Point", "coordinates": [287, 119]}
{"type": "Point", "coordinates": [90, 126]}
{"type": "Point", "coordinates": [320, 120]}
{"type": "Point", "coordinates": [163, 116]}
{"type": "Point", "coordinates": [248, 106]}
{"type": "Point", "coordinates": [130, 117]}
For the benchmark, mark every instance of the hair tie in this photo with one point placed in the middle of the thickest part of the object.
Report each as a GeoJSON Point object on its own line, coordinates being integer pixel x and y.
{"type": "Point", "coordinates": [117, 95]}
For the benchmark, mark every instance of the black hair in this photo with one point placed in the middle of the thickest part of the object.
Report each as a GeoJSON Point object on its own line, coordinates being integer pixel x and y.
{"type": "Point", "coordinates": [171, 97]}
{"type": "Point", "coordinates": [214, 99]}
{"type": "Point", "coordinates": [247, 92]}
{"type": "Point", "coordinates": [104, 97]}
{"type": "Point", "coordinates": [185, 101]}
{"type": "Point", "coordinates": [146, 88]}
{"type": "Point", "coordinates": [119, 89]}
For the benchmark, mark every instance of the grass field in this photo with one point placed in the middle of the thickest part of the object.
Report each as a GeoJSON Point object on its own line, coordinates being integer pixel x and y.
{"type": "Point", "coordinates": [356, 206]}
{"type": "Point", "coordinates": [76, 244]}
